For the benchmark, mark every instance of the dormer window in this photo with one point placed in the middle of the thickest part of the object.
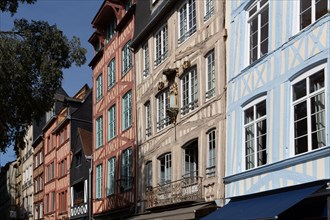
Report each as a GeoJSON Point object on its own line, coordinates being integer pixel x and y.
{"type": "Point", "coordinates": [111, 30]}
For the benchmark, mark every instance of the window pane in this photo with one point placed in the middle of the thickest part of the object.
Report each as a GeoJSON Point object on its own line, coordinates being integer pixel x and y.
{"type": "Point", "coordinates": [305, 13]}
{"type": "Point", "coordinates": [261, 109]}
{"type": "Point", "coordinates": [318, 139]}
{"type": "Point", "coordinates": [299, 90]}
{"type": "Point", "coordinates": [316, 81]}
{"type": "Point", "coordinates": [249, 133]}
{"type": "Point", "coordinates": [301, 145]}
{"type": "Point", "coordinates": [317, 103]}
{"type": "Point", "coordinates": [318, 121]}
{"type": "Point", "coordinates": [261, 128]}
{"type": "Point", "coordinates": [262, 157]}
{"type": "Point", "coordinates": [248, 115]}
{"type": "Point", "coordinates": [321, 8]}
{"type": "Point", "coordinates": [300, 127]}
{"type": "Point", "coordinates": [300, 111]}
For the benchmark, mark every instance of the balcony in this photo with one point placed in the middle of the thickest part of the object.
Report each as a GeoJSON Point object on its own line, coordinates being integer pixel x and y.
{"type": "Point", "coordinates": [183, 190]}
{"type": "Point", "coordinates": [79, 210]}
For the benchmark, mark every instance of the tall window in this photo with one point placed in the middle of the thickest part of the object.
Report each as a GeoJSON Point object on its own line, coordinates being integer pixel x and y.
{"type": "Point", "coordinates": [255, 129]}
{"type": "Point", "coordinates": [162, 103]}
{"type": "Point", "coordinates": [99, 132]}
{"type": "Point", "coordinates": [62, 168]}
{"type": "Point", "coordinates": [98, 184]}
{"type": "Point", "coordinates": [112, 73]}
{"type": "Point", "coordinates": [62, 197]}
{"type": "Point", "coordinates": [190, 162]}
{"type": "Point", "coordinates": [148, 118]}
{"type": "Point", "coordinates": [145, 60]}
{"type": "Point", "coordinates": [99, 87]}
{"type": "Point", "coordinates": [149, 174]}
{"type": "Point", "coordinates": [210, 75]}
{"type": "Point", "coordinates": [309, 111]}
{"type": "Point", "coordinates": [189, 85]}
{"type": "Point", "coordinates": [50, 171]}
{"type": "Point", "coordinates": [111, 176]}
{"type": "Point", "coordinates": [208, 9]}
{"type": "Point", "coordinates": [258, 21]}
{"type": "Point", "coordinates": [311, 10]}
{"type": "Point", "coordinates": [111, 122]}
{"type": "Point", "coordinates": [210, 170]}
{"type": "Point", "coordinates": [187, 20]}
{"type": "Point", "coordinates": [127, 111]}
{"type": "Point", "coordinates": [165, 163]}
{"type": "Point", "coordinates": [126, 58]}
{"type": "Point", "coordinates": [126, 170]}
{"type": "Point", "coordinates": [161, 45]}
{"type": "Point", "coordinates": [111, 29]}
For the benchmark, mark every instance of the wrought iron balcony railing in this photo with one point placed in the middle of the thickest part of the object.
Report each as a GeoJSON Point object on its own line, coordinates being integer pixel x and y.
{"type": "Point", "coordinates": [186, 189]}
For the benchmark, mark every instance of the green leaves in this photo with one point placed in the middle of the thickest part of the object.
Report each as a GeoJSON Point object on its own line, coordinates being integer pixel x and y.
{"type": "Point", "coordinates": [12, 5]}
{"type": "Point", "coordinates": [32, 58]}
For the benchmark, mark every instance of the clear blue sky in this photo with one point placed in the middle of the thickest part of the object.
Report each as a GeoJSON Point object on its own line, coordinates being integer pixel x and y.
{"type": "Point", "coordinates": [74, 18]}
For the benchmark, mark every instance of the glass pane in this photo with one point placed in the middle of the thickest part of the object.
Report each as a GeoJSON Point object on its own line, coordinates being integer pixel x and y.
{"type": "Point", "coordinates": [318, 121]}
{"type": "Point", "coordinates": [317, 103]}
{"type": "Point", "coordinates": [261, 109]}
{"type": "Point", "coordinates": [316, 81]}
{"type": "Point", "coordinates": [249, 133]}
{"type": "Point", "coordinates": [300, 111]}
{"type": "Point", "coordinates": [305, 18]}
{"type": "Point", "coordinates": [305, 4]}
{"type": "Point", "coordinates": [299, 90]}
{"type": "Point", "coordinates": [264, 17]}
{"type": "Point", "coordinates": [301, 145]}
{"type": "Point", "coordinates": [318, 139]}
{"type": "Point", "coordinates": [248, 115]}
{"type": "Point", "coordinates": [261, 145]}
{"type": "Point", "coordinates": [249, 148]}
{"type": "Point", "coordinates": [261, 127]}
{"type": "Point", "coordinates": [300, 127]}
{"type": "Point", "coordinates": [253, 10]}
{"type": "Point", "coordinates": [320, 8]}
{"type": "Point", "coordinates": [262, 2]}
{"type": "Point", "coordinates": [249, 162]}
{"type": "Point", "coordinates": [262, 158]}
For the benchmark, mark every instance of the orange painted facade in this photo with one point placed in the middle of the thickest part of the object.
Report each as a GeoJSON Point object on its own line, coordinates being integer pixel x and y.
{"type": "Point", "coordinates": [113, 96]}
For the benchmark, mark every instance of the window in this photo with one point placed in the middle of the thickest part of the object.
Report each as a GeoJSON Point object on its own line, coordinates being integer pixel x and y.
{"type": "Point", "coordinates": [148, 118]}
{"type": "Point", "coordinates": [145, 60]}
{"type": "Point", "coordinates": [162, 103]}
{"type": "Point", "coordinates": [258, 22]}
{"type": "Point", "coordinates": [99, 87]}
{"type": "Point", "coordinates": [63, 136]}
{"type": "Point", "coordinates": [208, 9]}
{"type": "Point", "coordinates": [165, 169]}
{"type": "Point", "coordinates": [187, 20]}
{"type": "Point", "coordinates": [127, 111]}
{"type": "Point", "coordinates": [78, 159]}
{"type": "Point", "coordinates": [62, 168]}
{"type": "Point", "coordinates": [255, 132]}
{"type": "Point", "coordinates": [63, 203]}
{"type": "Point", "coordinates": [112, 73]}
{"type": "Point", "coordinates": [111, 176]}
{"type": "Point", "coordinates": [99, 132]}
{"type": "Point", "coordinates": [210, 75]}
{"type": "Point", "coordinates": [111, 29]}
{"type": "Point", "coordinates": [211, 158]}
{"type": "Point", "coordinates": [309, 111]}
{"type": "Point", "coordinates": [311, 10]}
{"type": "Point", "coordinates": [149, 174]}
{"type": "Point", "coordinates": [161, 45]}
{"type": "Point", "coordinates": [112, 122]}
{"type": "Point", "coordinates": [126, 58]}
{"type": "Point", "coordinates": [190, 162]}
{"type": "Point", "coordinates": [52, 201]}
{"type": "Point", "coordinates": [189, 91]}
{"type": "Point", "coordinates": [50, 113]}
{"type": "Point", "coordinates": [40, 183]}
{"type": "Point", "coordinates": [50, 171]}
{"type": "Point", "coordinates": [126, 170]}
{"type": "Point", "coordinates": [98, 184]}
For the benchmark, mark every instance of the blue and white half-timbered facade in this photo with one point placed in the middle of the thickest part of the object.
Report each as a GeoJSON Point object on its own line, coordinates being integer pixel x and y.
{"type": "Point", "coordinates": [278, 116]}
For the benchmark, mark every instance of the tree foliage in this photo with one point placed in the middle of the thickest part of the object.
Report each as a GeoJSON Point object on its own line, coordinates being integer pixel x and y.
{"type": "Point", "coordinates": [12, 5]}
{"type": "Point", "coordinates": [32, 57]}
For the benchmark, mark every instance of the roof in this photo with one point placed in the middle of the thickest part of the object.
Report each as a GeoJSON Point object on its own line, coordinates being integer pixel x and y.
{"type": "Point", "coordinates": [86, 139]}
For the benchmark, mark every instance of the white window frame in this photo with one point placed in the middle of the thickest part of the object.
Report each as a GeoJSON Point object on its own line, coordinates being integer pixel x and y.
{"type": "Point", "coordinates": [163, 103]}
{"type": "Point", "coordinates": [148, 172]}
{"type": "Point", "coordinates": [307, 97]}
{"type": "Point", "coordinates": [211, 153]}
{"type": "Point", "coordinates": [111, 176]}
{"type": "Point", "coordinates": [99, 87]}
{"type": "Point", "coordinates": [210, 75]}
{"type": "Point", "coordinates": [208, 9]}
{"type": "Point", "coordinates": [189, 97]}
{"type": "Point", "coordinates": [111, 73]}
{"type": "Point", "coordinates": [98, 185]}
{"type": "Point", "coordinates": [126, 58]}
{"type": "Point", "coordinates": [186, 20]}
{"type": "Point", "coordinates": [146, 63]}
{"type": "Point", "coordinates": [167, 168]}
{"type": "Point", "coordinates": [148, 121]}
{"type": "Point", "coordinates": [255, 120]}
{"type": "Point", "coordinates": [127, 110]}
{"type": "Point", "coordinates": [257, 15]}
{"type": "Point", "coordinates": [111, 122]}
{"type": "Point", "coordinates": [126, 169]}
{"type": "Point", "coordinates": [99, 132]}
{"type": "Point", "coordinates": [161, 45]}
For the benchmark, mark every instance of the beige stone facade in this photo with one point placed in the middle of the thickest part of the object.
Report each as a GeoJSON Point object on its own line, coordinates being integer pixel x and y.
{"type": "Point", "coordinates": [181, 156]}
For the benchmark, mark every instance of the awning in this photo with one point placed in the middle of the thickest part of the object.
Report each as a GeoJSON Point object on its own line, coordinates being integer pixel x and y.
{"type": "Point", "coordinates": [266, 205]}
{"type": "Point", "coordinates": [179, 213]}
